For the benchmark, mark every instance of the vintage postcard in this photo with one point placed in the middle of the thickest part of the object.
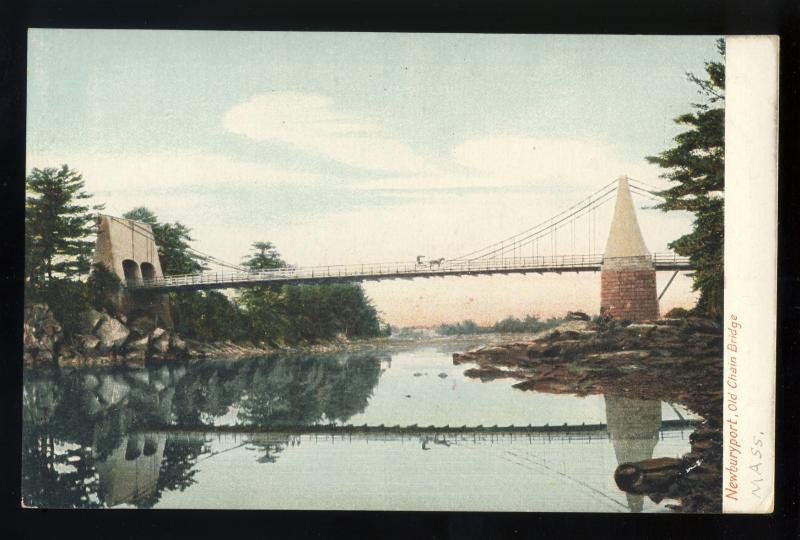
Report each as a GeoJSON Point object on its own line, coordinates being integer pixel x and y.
{"type": "Point", "coordinates": [400, 271]}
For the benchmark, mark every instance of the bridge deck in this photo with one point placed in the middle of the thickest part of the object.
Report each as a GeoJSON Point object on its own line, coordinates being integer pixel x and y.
{"type": "Point", "coordinates": [401, 270]}
{"type": "Point", "coordinates": [546, 433]}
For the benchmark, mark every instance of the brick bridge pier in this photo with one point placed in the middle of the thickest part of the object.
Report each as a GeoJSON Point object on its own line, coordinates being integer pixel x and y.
{"type": "Point", "coordinates": [628, 276]}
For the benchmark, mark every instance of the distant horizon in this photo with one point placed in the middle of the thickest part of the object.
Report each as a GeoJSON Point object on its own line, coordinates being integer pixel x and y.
{"type": "Point", "coordinates": [357, 148]}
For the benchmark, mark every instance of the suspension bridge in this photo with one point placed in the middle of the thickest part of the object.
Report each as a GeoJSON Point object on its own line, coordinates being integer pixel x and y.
{"type": "Point", "coordinates": [334, 432]}
{"type": "Point", "coordinates": [547, 247]}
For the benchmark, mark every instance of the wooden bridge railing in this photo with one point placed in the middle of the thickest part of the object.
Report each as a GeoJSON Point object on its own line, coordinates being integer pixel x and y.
{"type": "Point", "coordinates": [392, 270]}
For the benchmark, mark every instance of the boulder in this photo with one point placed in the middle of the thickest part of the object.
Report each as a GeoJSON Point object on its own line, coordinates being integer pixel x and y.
{"type": "Point", "coordinates": [29, 337]}
{"type": "Point", "coordinates": [46, 343]}
{"type": "Point", "coordinates": [161, 344]}
{"type": "Point", "coordinates": [40, 334]}
{"type": "Point", "coordinates": [137, 345]}
{"type": "Point", "coordinates": [112, 391]}
{"type": "Point", "coordinates": [139, 376]}
{"type": "Point", "coordinates": [577, 316]}
{"type": "Point", "coordinates": [93, 405]}
{"type": "Point", "coordinates": [142, 325]}
{"type": "Point", "coordinates": [496, 350]}
{"type": "Point", "coordinates": [28, 359]}
{"type": "Point", "coordinates": [161, 374]}
{"type": "Point", "coordinates": [88, 321]}
{"type": "Point", "coordinates": [69, 357]}
{"type": "Point", "coordinates": [87, 343]}
{"type": "Point", "coordinates": [649, 474]}
{"type": "Point", "coordinates": [705, 325]}
{"type": "Point", "coordinates": [165, 401]}
{"type": "Point", "coordinates": [178, 373]}
{"type": "Point", "coordinates": [135, 358]}
{"type": "Point", "coordinates": [642, 326]}
{"type": "Point", "coordinates": [35, 313]}
{"type": "Point", "coordinates": [177, 344]}
{"type": "Point", "coordinates": [112, 333]}
{"type": "Point", "coordinates": [157, 333]}
{"type": "Point", "coordinates": [143, 397]}
{"type": "Point", "coordinates": [90, 382]}
{"type": "Point", "coordinates": [51, 327]}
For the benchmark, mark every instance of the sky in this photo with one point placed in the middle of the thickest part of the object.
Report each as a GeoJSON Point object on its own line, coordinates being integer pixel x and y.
{"type": "Point", "coordinates": [369, 147]}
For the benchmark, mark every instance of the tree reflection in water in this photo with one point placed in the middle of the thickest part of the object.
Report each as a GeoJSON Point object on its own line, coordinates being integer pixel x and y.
{"type": "Point", "coordinates": [80, 448]}
{"type": "Point", "coordinates": [634, 426]}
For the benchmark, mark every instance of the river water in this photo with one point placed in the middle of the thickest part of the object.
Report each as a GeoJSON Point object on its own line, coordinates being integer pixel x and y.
{"type": "Point", "coordinates": [161, 437]}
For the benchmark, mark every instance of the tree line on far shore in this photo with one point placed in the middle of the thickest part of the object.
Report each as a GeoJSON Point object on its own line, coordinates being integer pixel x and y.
{"type": "Point", "coordinates": [509, 325]}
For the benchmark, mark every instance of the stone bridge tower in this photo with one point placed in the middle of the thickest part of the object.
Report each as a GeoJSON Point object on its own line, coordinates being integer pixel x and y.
{"type": "Point", "coordinates": [128, 248]}
{"type": "Point", "coordinates": [628, 276]}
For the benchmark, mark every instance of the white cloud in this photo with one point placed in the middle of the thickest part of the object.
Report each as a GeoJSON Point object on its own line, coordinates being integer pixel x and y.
{"type": "Point", "coordinates": [311, 122]}
{"type": "Point", "coordinates": [551, 164]}
{"type": "Point", "coordinates": [164, 170]}
{"type": "Point", "coordinates": [561, 161]}
{"type": "Point", "coordinates": [429, 182]}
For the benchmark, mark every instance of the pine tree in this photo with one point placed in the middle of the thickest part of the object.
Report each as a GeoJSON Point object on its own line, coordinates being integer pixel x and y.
{"type": "Point", "coordinates": [266, 257]}
{"type": "Point", "coordinates": [172, 240]}
{"type": "Point", "coordinates": [264, 304]}
{"type": "Point", "coordinates": [696, 165]}
{"type": "Point", "coordinates": [57, 225]}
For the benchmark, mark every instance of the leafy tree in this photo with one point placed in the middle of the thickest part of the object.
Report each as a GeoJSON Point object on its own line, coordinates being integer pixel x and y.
{"type": "Point", "coordinates": [303, 313]}
{"type": "Point", "coordinates": [320, 312]}
{"type": "Point", "coordinates": [265, 318]}
{"type": "Point", "coordinates": [172, 240]}
{"type": "Point", "coordinates": [69, 300]}
{"type": "Point", "coordinates": [355, 315]}
{"type": "Point", "coordinates": [103, 285]}
{"type": "Point", "coordinates": [57, 224]}
{"type": "Point", "coordinates": [266, 257]}
{"type": "Point", "coordinates": [264, 304]}
{"type": "Point", "coordinates": [207, 316]}
{"type": "Point", "coordinates": [696, 164]}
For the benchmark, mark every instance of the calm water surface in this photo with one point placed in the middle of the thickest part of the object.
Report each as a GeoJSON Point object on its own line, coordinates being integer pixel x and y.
{"type": "Point", "coordinates": [97, 437]}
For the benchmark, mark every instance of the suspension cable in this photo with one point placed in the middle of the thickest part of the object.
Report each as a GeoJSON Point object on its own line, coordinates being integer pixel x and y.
{"type": "Point", "coordinates": [542, 224]}
{"type": "Point", "coordinates": [651, 186]}
{"type": "Point", "coordinates": [541, 228]}
{"type": "Point", "coordinates": [534, 234]}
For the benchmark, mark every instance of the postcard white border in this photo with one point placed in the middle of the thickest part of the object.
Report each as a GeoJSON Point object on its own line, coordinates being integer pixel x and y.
{"type": "Point", "coordinates": [751, 210]}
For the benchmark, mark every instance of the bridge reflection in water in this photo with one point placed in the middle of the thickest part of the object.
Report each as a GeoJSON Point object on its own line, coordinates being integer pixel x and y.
{"type": "Point", "coordinates": [130, 474]}
{"type": "Point", "coordinates": [633, 426]}
{"type": "Point", "coordinates": [108, 437]}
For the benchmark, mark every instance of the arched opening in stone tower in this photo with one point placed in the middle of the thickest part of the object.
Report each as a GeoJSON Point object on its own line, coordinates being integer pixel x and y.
{"type": "Point", "coordinates": [131, 270]}
{"type": "Point", "coordinates": [134, 448]}
{"type": "Point", "coordinates": [148, 271]}
{"type": "Point", "coordinates": [150, 445]}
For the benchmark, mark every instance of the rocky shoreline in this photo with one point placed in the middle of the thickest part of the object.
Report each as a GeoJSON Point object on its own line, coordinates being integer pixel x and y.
{"type": "Point", "coordinates": [114, 340]}
{"type": "Point", "coordinates": [673, 360]}
{"type": "Point", "coordinates": [102, 339]}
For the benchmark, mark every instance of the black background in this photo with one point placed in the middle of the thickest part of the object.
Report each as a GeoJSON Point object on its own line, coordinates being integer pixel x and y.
{"type": "Point", "coordinates": [629, 17]}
